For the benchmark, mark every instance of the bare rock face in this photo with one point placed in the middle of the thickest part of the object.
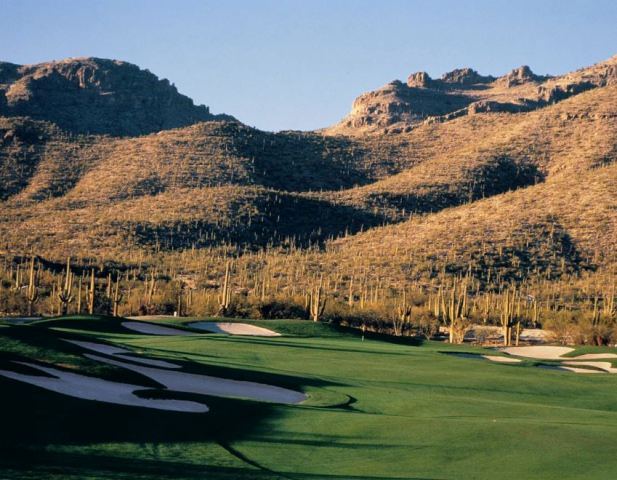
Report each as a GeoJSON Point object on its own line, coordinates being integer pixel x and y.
{"type": "Point", "coordinates": [465, 77]}
{"type": "Point", "coordinates": [398, 103]}
{"type": "Point", "coordinates": [398, 107]}
{"type": "Point", "coordinates": [522, 74]}
{"type": "Point", "coordinates": [419, 80]}
{"type": "Point", "coordinates": [92, 95]}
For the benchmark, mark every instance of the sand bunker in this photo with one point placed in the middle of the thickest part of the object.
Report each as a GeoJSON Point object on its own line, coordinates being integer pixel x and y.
{"type": "Point", "coordinates": [571, 364]}
{"type": "Point", "coordinates": [234, 329]}
{"type": "Point", "coordinates": [593, 356]}
{"type": "Point", "coordinates": [498, 359]}
{"type": "Point", "coordinates": [606, 366]}
{"type": "Point", "coordinates": [492, 358]}
{"type": "Point", "coordinates": [540, 352]}
{"type": "Point", "coordinates": [91, 388]}
{"type": "Point", "coordinates": [152, 329]}
{"type": "Point", "coordinates": [553, 353]}
{"type": "Point", "coordinates": [207, 385]}
{"type": "Point", "coordinates": [121, 353]}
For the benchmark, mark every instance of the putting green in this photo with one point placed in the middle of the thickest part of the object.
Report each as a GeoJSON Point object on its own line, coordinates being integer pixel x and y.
{"type": "Point", "coordinates": [376, 410]}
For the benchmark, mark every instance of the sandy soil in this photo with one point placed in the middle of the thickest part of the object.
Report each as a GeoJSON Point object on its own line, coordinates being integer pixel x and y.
{"type": "Point", "coordinates": [578, 370]}
{"type": "Point", "coordinates": [152, 329]}
{"type": "Point", "coordinates": [569, 369]}
{"type": "Point", "coordinates": [234, 329]}
{"type": "Point", "coordinates": [207, 385]}
{"type": "Point", "coordinates": [97, 347]}
{"type": "Point", "coordinates": [539, 352]}
{"type": "Point", "coordinates": [498, 359]}
{"type": "Point", "coordinates": [91, 388]}
{"type": "Point", "coordinates": [568, 363]}
{"type": "Point", "coordinates": [535, 334]}
{"type": "Point", "coordinates": [492, 358]}
{"type": "Point", "coordinates": [606, 366]}
{"type": "Point", "coordinates": [121, 353]}
{"type": "Point", "coordinates": [592, 356]}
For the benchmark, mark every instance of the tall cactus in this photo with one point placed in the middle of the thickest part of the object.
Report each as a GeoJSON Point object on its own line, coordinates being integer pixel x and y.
{"type": "Point", "coordinates": [65, 292]}
{"type": "Point", "coordinates": [403, 315]}
{"type": "Point", "coordinates": [32, 294]}
{"type": "Point", "coordinates": [317, 302]}
{"type": "Point", "coordinates": [225, 295]}
{"type": "Point", "coordinates": [507, 317]}
{"type": "Point", "coordinates": [455, 310]}
{"type": "Point", "coordinates": [117, 297]}
{"type": "Point", "coordinates": [150, 290]}
{"type": "Point", "coordinates": [91, 293]}
{"type": "Point", "coordinates": [78, 309]}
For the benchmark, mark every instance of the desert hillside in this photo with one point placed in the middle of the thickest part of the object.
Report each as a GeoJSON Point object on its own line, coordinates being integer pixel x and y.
{"type": "Point", "coordinates": [505, 179]}
{"type": "Point", "coordinates": [94, 95]}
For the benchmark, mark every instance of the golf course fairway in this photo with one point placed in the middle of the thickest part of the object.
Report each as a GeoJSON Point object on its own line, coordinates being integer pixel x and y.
{"type": "Point", "coordinates": [374, 408]}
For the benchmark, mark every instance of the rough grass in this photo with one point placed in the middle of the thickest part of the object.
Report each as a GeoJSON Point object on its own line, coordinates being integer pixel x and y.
{"type": "Point", "coordinates": [412, 412]}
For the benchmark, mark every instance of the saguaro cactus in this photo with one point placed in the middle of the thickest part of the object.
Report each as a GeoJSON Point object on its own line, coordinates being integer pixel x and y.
{"type": "Point", "coordinates": [32, 294]}
{"type": "Point", "coordinates": [91, 294]}
{"type": "Point", "coordinates": [225, 295]}
{"type": "Point", "coordinates": [65, 292]}
{"type": "Point", "coordinates": [150, 290]}
{"type": "Point", "coordinates": [507, 317]}
{"type": "Point", "coordinates": [403, 315]}
{"type": "Point", "coordinates": [317, 302]}
{"type": "Point", "coordinates": [117, 297]}
{"type": "Point", "coordinates": [455, 310]}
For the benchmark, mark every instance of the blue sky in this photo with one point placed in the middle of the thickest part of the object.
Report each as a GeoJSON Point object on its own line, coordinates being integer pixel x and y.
{"type": "Point", "coordinates": [298, 64]}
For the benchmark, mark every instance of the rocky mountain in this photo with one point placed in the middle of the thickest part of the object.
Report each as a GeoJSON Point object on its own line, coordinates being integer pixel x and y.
{"type": "Point", "coordinates": [399, 106]}
{"type": "Point", "coordinates": [97, 96]}
{"type": "Point", "coordinates": [520, 169]}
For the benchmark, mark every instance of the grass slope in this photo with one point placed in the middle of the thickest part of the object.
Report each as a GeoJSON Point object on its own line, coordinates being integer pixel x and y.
{"type": "Point", "coordinates": [411, 412]}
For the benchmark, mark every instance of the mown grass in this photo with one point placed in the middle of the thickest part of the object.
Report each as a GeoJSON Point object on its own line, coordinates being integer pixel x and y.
{"type": "Point", "coordinates": [410, 412]}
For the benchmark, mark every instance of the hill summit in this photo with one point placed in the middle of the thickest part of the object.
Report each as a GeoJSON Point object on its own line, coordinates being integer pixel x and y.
{"type": "Point", "coordinates": [398, 106]}
{"type": "Point", "coordinates": [97, 96]}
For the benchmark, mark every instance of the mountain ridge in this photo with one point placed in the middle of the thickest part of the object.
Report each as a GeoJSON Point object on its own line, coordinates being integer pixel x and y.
{"type": "Point", "coordinates": [128, 100]}
{"type": "Point", "coordinates": [222, 184]}
{"type": "Point", "coordinates": [398, 107]}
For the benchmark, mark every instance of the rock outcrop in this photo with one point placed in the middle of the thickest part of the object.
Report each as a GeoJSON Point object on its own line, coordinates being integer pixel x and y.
{"type": "Point", "coordinates": [398, 107]}
{"type": "Point", "coordinates": [98, 96]}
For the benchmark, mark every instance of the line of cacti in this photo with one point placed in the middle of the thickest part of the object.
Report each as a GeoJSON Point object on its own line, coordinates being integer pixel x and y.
{"type": "Point", "coordinates": [454, 302]}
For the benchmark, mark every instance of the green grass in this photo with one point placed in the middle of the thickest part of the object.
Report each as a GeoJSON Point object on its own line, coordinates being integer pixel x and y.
{"type": "Point", "coordinates": [376, 410]}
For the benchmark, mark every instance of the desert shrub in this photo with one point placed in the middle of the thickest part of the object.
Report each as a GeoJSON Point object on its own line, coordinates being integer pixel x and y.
{"type": "Point", "coordinates": [281, 308]}
{"type": "Point", "coordinates": [424, 322]}
{"type": "Point", "coordinates": [594, 330]}
{"type": "Point", "coordinates": [562, 326]}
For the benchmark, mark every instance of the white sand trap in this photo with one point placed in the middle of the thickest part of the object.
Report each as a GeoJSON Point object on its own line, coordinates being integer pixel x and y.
{"type": "Point", "coordinates": [492, 358]}
{"type": "Point", "coordinates": [121, 352]}
{"type": "Point", "coordinates": [539, 351]}
{"type": "Point", "coordinates": [592, 356]}
{"type": "Point", "coordinates": [498, 359]}
{"type": "Point", "coordinates": [606, 366]}
{"type": "Point", "coordinates": [207, 385]}
{"type": "Point", "coordinates": [91, 388]}
{"type": "Point", "coordinates": [97, 347]}
{"type": "Point", "coordinates": [579, 370]}
{"type": "Point", "coordinates": [232, 328]}
{"type": "Point", "coordinates": [152, 329]}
